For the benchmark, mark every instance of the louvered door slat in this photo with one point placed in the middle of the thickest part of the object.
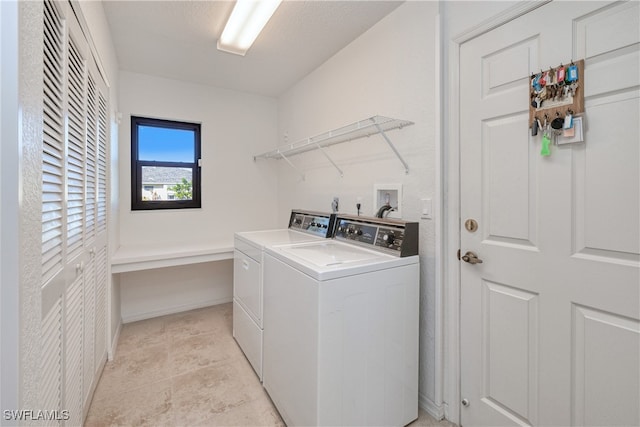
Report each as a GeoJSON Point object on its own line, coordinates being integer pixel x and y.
{"type": "Point", "coordinates": [73, 351]}
{"type": "Point", "coordinates": [89, 329]}
{"type": "Point", "coordinates": [52, 133]}
{"type": "Point", "coordinates": [52, 100]}
{"type": "Point", "coordinates": [51, 362]}
{"type": "Point", "coordinates": [91, 182]}
{"type": "Point", "coordinates": [50, 61]}
{"type": "Point", "coordinates": [101, 305]}
{"type": "Point", "coordinates": [75, 149]}
{"type": "Point", "coordinates": [102, 163]}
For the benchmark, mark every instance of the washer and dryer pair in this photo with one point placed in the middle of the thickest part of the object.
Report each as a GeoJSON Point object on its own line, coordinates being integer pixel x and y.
{"type": "Point", "coordinates": [340, 324]}
{"type": "Point", "coordinates": [304, 226]}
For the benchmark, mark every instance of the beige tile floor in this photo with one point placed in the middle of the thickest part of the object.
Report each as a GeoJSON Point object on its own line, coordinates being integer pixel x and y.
{"type": "Point", "coordinates": [185, 370]}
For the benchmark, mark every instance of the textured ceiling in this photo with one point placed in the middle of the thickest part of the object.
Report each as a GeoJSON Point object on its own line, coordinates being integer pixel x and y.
{"type": "Point", "coordinates": [177, 39]}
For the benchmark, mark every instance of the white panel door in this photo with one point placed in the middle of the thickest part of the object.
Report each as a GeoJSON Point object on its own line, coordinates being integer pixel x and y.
{"type": "Point", "coordinates": [550, 320]}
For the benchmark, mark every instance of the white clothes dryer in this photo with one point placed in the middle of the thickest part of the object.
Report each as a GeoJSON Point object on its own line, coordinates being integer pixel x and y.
{"type": "Point", "coordinates": [341, 325]}
{"type": "Point", "coordinates": [304, 226]}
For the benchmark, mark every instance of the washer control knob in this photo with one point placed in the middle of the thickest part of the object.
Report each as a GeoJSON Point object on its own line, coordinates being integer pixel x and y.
{"type": "Point", "coordinates": [389, 238]}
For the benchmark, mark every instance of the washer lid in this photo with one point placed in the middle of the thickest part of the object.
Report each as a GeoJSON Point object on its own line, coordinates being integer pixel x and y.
{"type": "Point", "coordinates": [329, 253]}
{"type": "Point", "coordinates": [330, 259]}
{"type": "Point", "coordinates": [263, 238]}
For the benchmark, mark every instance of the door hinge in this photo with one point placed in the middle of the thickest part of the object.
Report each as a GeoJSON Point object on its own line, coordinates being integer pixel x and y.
{"type": "Point", "coordinates": [458, 254]}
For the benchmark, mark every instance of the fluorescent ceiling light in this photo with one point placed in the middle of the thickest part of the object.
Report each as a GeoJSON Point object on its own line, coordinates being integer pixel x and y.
{"type": "Point", "coordinates": [247, 19]}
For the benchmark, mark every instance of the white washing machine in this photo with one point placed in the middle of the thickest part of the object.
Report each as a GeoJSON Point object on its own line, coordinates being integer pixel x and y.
{"type": "Point", "coordinates": [341, 325]}
{"type": "Point", "coordinates": [304, 226]}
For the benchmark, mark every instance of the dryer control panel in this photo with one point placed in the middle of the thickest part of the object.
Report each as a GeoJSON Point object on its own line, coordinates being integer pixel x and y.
{"type": "Point", "coordinates": [397, 237]}
{"type": "Point", "coordinates": [317, 223]}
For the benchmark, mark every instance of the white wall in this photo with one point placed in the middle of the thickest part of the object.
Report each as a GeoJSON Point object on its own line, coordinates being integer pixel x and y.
{"type": "Point", "coordinates": [237, 193]}
{"type": "Point", "coordinates": [152, 293]}
{"type": "Point", "coordinates": [235, 126]}
{"type": "Point", "coordinates": [390, 70]}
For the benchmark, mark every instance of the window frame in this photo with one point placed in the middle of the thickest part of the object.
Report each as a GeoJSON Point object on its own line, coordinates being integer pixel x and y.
{"type": "Point", "coordinates": [137, 204]}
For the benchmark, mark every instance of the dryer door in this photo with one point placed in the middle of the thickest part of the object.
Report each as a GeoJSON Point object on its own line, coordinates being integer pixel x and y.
{"type": "Point", "coordinates": [247, 285]}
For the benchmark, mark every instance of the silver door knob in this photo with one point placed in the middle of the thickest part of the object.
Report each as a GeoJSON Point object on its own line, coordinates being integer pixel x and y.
{"type": "Point", "coordinates": [465, 402]}
{"type": "Point", "coordinates": [471, 258]}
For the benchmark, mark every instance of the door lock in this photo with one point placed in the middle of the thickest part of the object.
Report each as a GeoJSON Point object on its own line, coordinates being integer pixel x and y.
{"type": "Point", "coordinates": [471, 225]}
{"type": "Point", "coordinates": [471, 258]}
{"type": "Point", "coordinates": [465, 403]}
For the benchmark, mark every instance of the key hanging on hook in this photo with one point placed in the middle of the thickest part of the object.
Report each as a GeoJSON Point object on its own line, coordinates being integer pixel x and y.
{"type": "Point", "coordinates": [546, 140]}
{"type": "Point", "coordinates": [534, 126]}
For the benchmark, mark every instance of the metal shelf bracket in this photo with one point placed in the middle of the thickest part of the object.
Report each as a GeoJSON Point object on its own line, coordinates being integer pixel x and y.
{"type": "Point", "coordinates": [393, 147]}
{"type": "Point", "coordinates": [292, 165]}
{"type": "Point", "coordinates": [329, 158]}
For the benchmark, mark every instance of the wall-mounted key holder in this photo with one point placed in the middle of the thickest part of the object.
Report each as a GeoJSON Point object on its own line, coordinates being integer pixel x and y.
{"type": "Point", "coordinates": [557, 91]}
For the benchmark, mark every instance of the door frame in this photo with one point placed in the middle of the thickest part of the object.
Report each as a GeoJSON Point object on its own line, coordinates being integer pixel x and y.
{"type": "Point", "coordinates": [451, 162]}
{"type": "Point", "coordinates": [10, 386]}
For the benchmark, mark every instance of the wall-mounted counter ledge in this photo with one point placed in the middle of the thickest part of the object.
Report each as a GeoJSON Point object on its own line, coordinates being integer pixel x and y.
{"type": "Point", "coordinates": [146, 257]}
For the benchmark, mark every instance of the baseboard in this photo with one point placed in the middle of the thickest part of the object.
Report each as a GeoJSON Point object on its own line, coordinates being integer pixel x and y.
{"type": "Point", "coordinates": [114, 343]}
{"type": "Point", "coordinates": [175, 309]}
{"type": "Point", "coordinates": [453, 418]}
{"type": "Point", "coordinates": [436, 411]}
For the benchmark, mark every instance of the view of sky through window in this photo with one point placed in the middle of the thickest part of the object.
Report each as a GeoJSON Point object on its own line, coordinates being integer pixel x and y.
{"type": "Point", "coordinates": [165, 145]}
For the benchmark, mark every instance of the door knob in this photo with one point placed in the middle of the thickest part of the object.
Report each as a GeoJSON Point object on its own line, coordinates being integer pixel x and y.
{"type": "Point", "coordinates": [471, 258]}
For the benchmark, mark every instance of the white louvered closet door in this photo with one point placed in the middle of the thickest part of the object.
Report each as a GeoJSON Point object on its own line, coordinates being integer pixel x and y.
{"type": "Point", "coordinates": [53, 218]}
{"type": "Point", "coordinates": [76, 137]}
{"type": "Point", "coordinates": [76, 143]}
{"type": "Point", "coordinates": [74, 221]}
{"type": "Point", "coordinates": [95, 239]}
{"type": "Point", "coordinates": [100, 252]}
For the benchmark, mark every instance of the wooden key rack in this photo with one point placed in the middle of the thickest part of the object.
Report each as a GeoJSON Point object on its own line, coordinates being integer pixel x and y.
{"type": "Point", "coordinates": [558, 105]}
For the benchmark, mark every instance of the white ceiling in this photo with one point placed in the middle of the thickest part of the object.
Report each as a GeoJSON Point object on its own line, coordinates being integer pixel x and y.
{"type": "Point", "coordinates": [177, 40]}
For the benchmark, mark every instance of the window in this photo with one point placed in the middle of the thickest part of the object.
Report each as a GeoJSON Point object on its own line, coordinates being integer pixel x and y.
{"type": "Point", "coordinates": [164, 164]}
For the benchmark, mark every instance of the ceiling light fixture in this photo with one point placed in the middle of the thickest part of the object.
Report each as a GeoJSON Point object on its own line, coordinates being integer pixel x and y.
{"type": "Point", "coordinates": [247, 20]}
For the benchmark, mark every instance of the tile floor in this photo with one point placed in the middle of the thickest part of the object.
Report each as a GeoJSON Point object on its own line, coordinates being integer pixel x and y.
{"type": "Point", "coordinates": [185, 370]}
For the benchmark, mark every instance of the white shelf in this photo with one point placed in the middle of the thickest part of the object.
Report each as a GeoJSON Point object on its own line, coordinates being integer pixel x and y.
{"type": "Point", "coordinates": [363, 128]}
{"type": "Point", "coordinates": [145, 257]}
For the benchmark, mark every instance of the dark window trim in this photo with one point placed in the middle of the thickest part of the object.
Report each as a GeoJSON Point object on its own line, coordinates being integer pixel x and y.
{"type": "Point", "coordinates": [136, 167]}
